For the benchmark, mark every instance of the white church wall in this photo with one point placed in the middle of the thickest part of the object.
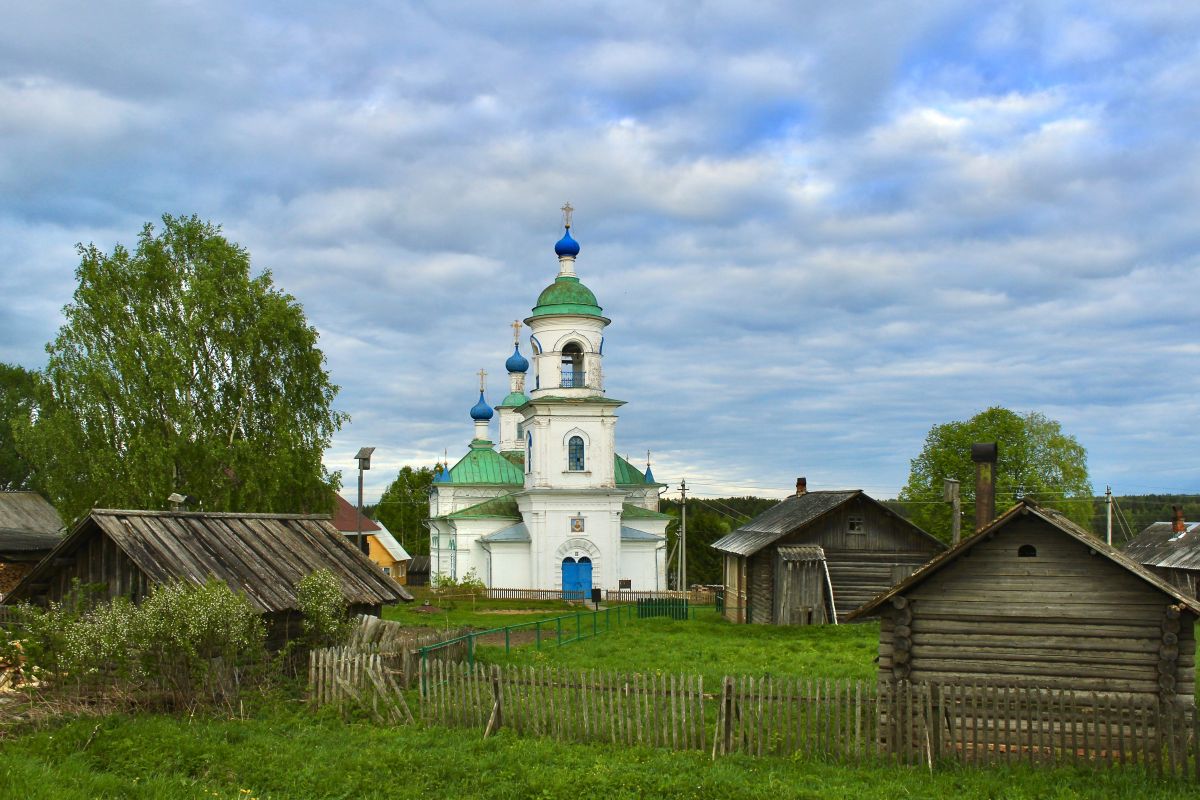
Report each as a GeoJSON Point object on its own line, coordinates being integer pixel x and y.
{"type": "Point", "coordinates": [510, 565]}
{"type": "Point", "coordinates": [641, 564]}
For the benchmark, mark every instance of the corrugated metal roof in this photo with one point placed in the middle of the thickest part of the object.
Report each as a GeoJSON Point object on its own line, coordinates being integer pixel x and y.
{"type": "Point", "coordinates": [634, 535]}
{"type": "Point", "coordinates": [418, 564]}
{"type": "Point", "coordinates": [1156, 546]}
{"type": "Point", "coordinates": [1055, 518]}
{"type": "Point", "coordinates": [801, 552]}
{"type": "Point", "coordinates": [513, 533]}
{"type": "Point", "coordinates": [28, 511]}
{"type": "Point", "coordinates": [780, 520]}
{"type": "Point", "coordinates": [627, 474]}
{"type": "Point", "coordinates": [262, 555]}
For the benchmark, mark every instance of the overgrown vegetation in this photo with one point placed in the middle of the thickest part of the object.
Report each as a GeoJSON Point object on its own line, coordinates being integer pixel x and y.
{"type": "Point", "coordinates": [326, 619]}
{"type": "Point", "coordinates": [182, 644]}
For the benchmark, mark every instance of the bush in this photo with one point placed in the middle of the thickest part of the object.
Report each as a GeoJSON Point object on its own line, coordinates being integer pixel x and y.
{"type": "Point", "coordinates": [182, 639]}
{"type": "Point", "coordinates": [326, 617]}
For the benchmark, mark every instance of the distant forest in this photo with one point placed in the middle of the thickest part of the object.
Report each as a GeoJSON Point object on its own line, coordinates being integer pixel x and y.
{"type": "Point", "coordinates": [708, 519]}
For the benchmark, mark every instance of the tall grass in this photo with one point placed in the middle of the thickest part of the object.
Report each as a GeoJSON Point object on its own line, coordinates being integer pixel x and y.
{"type": "Point", "coordinates": [282, 754]}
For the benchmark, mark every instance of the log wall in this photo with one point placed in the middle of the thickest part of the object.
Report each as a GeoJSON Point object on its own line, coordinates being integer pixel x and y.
{"type": "Point", "coordinates": [1067, 618]}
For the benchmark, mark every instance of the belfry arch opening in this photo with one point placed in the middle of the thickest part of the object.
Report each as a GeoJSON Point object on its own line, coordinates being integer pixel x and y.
{"type": "Point", "coordinates": [572, 365]}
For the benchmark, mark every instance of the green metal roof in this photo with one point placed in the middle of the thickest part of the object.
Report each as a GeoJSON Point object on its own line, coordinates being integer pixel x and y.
{"type": "Point", "coordinates": [627, 474]}
{"type": "Point", "coordinates": [482, 464]}
{"type": "Point", "coordinates": [630, 511]}
{"type": "Point", "coordinates": [514, 400]}
{"type": "Point", "coordinates": [567, 296]}
{"type": "Point", "coordinates": [502, 507]}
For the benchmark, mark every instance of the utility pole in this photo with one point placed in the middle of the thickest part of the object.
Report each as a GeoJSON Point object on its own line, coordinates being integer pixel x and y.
{"type": "Point", "coordinates": [683, 536]}
{"type": "Point", "coordinates": [950, 495]}
{"type": "Point", "coordinates": [1108, 514]}
{"type": "Point", "coordinates": [364, 463]}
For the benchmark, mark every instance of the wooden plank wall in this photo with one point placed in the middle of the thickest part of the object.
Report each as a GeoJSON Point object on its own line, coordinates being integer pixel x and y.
{"type": "Point", "coordinates": [98, 562]}
{"type": "Point", "coordinates": [863, 565]}
{"type": "Point", "coordinates": [761, 590]}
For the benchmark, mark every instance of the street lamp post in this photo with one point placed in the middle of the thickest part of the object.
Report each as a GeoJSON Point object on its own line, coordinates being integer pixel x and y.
{"type": "Point", "coordinates": [364, 463]}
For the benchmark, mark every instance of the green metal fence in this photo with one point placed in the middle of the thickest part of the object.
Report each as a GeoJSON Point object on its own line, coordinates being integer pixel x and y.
{"type": "Point", "coordinates": [555, 631]}
{"type": "Point", "coordinates": [671, 607]}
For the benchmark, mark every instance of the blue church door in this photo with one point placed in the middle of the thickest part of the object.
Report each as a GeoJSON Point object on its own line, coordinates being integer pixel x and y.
{"type": "Point", "coordinates": [576, 578]}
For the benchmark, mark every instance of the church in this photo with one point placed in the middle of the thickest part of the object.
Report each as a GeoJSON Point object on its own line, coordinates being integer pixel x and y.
{"type": "Point", "coordinates": [552, 505]}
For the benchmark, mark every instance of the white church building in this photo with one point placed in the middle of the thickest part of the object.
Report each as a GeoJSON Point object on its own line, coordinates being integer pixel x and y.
{"type": "Point", "coordinates": [553, 506]}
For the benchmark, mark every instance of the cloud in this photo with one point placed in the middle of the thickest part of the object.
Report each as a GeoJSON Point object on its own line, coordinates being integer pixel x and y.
{"type": "Point", "coordinates": [818, 230]}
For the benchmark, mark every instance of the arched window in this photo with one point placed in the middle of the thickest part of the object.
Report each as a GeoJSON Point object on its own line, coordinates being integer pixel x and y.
{"type": "Point", "coordinates": [572, 366]}
{"type": "Point", "coordinates": [1027, 551]}
{"type": "Point", "coordinates": [575, 454]}
{"type": "Point", "coordinates": [528, 451]}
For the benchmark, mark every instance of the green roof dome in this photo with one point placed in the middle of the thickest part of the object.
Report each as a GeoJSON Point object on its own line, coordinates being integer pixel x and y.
{"type": "Point", "coordinates": [566, 296]}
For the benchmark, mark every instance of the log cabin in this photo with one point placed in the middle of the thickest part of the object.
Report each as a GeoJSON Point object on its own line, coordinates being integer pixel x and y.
{"type": "Point", "coordinates": [817, 556]}
{"type": "Point", "coordinates": [1033, 599]}
{"type": "Point", "coordinates": [120, 553]}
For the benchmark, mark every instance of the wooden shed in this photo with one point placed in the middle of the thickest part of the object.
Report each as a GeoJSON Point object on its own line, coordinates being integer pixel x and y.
{"type": "Point", "coordinates": [1034, 599]}
{"type": "Point", "coordinates": [854, 548]}
{"type": "Point", "coordinates": [264, 556]}
{"type": "Point", "coordinates": [1170, 550]}
{"type": "Point", "coordinates": [29, 529]}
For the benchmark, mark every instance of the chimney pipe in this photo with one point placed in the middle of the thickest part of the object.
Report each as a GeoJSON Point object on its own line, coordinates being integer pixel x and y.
{"type": "Point", "coordinates": [1178, 525]}
{"type": "Point", "coordinates": [801, 486]}
{"type": "Point", "coordinates": [984, 455]}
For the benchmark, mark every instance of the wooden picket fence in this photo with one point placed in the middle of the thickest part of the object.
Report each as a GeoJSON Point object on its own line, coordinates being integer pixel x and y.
{"type": "Point", "coordinates": [837, 720]}
{"type": "Point", "coordinates": [568, 705]}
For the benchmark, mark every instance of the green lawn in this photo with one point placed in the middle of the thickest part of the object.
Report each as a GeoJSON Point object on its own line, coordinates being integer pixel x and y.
{"type": "Point", "coordinates": [293, 754]}
{"type": "Point", "coordinates": [710, 646]}
{"type": "Point", "coordinates": [479, 614]}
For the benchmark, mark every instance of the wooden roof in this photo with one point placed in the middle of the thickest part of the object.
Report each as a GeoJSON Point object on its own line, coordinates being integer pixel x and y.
{"type": "Point", "coordinates": [1056, 519]}
{"type": "Point", "coordinates": [28, 511]}
{"type": "Point", "coordinates": [793, 513]}
{"type": "Point", "coordinates": [1160, 546]}
{"type": "Point", "coordinates": [261, 555]}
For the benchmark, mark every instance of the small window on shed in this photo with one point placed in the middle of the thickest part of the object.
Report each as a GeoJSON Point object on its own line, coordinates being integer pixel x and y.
{"type": "Point", "coordinates": [1027, 551]}
{"type": "Point", "coordinates": [855, 525]}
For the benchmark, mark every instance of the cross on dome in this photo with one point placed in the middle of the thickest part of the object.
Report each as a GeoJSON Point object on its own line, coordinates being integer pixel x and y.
{"type": "Point", "coordinates": [516, 326]}
{"type": "Point", "coordinates": [567, 209]}
{"type": "Point", "coordinates": [482, 379]}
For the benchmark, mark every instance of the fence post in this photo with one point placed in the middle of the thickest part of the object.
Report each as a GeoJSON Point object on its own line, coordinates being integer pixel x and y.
{"type": "Point", "coordinates": [496, 721]}
{"type": "Point", "coordinates": [507, 645]}
{"type": "Point", "coordinates": [935, 723]}
{"type": "Point", "coordinates": [727, 715]}
{"type": "Point", "coordinates": [537, 628]}
{"type": "Point", "coordinates": [470, 650]}
{"type": "Point", "coordinates": [558, 629]}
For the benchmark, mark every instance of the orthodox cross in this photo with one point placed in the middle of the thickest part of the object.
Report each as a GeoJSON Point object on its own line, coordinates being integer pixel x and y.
{"type": "Point", "coordinates": [516, 326]}
{"type": "Point", "coordinates": [482, 379]}
{"type": "Point", "coordinates": [647, 459]}
{"type": "Point", "coordinates": [566, 209]}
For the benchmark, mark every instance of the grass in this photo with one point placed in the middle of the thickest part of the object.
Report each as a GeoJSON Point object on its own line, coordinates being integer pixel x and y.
{"type": "Point", "coordinates": [280, 753]}
{"type": "Point", "coordinates": [474, 613]}
{"type": "Point", "coordinates": [710, 646]}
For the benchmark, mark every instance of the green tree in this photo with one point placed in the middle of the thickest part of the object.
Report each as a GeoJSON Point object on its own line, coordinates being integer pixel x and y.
{"type": "Point", "coordinates": [179, 371]}
{"type": "Point", "coordinates": [404, 505]}
{"type": "Point", "coordinates": [1036, 460]}
{"type": "Point", "coordinates": [18, 389]}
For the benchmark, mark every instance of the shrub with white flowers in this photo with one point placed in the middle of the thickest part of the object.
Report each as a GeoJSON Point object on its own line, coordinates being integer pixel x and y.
{"type": "Point", "coordinates": [326, 618]}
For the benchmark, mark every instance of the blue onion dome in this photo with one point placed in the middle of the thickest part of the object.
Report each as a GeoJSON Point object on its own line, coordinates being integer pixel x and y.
{"type": "Point", "coordinates": [516, 362]}
{"type": "Point", "coordinates": [566, 246]}
{"type": "Point", "coordinates": [481, 410]}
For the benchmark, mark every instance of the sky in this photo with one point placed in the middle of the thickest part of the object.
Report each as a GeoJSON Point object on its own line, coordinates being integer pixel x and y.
{"type": "Point", "coordinates": [819, 229]}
